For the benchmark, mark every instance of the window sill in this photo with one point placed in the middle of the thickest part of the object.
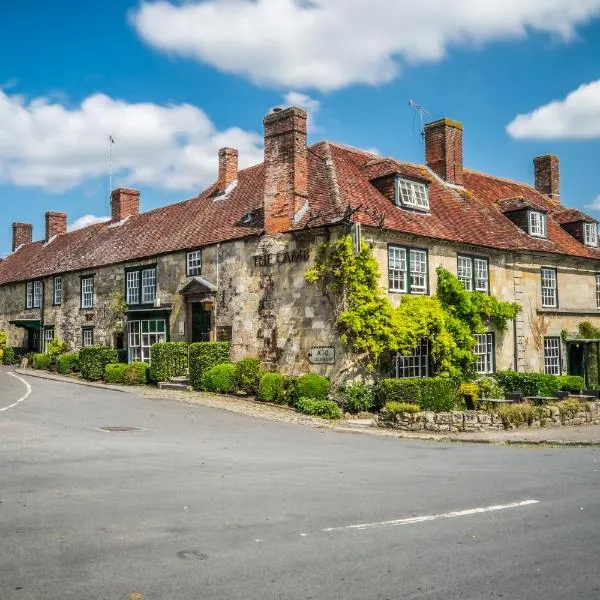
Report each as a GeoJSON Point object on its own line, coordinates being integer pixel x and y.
{"type": "Point", "coordinates": [568, 311]}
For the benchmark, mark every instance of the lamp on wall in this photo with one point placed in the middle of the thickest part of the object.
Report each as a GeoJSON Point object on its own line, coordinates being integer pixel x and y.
{"type": "Point", "coordinates": [208, 305]}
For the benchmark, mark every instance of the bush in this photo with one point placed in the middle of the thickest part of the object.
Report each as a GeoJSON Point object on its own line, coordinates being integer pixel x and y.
{"type": "Point", "coordinates": [93, 361]}
{"type": "Point", "coordinates": [274, 387]}
{"type": "Point", "coordinates": [203, 356]}
{"type": "Point", "coordinates": [56, 347]}
{"type": "Point", "coordinates": [490, 388]}
{"type": "Point", "coordinates": [518, 414]}
{"type": "Point", "coordinates": [530, 384]}
{"type": "Point", "coordinates": [570, 382]}
{"type": "Point", "coordinates": [311, 386]}
{"type": "Point", "coordinates": [221, 378]}
{"type": "Point", "coordinates": [113, 373]}
{"type": "Point", "coordinates": [356, 398]}
{"type": "Point", "coordinates": [136, 373]}
{"type": "Point", "coordinates": [249, 375]}
{"type": "Point", "coordinates": [8, 356]}
{"type": "Point", "coordinates": [396, 408]}
{"type": "Point", "coordinates": [169, 359]}
{"type": "Point", "coordinates": [568, 408]}
{"type": "Point", "coordinates": [67, 363]}
{"type": "Point", "coordinates": [430, 393]}
{"type": "Point", "coordinates": [42, 361]}
{"type": "Point", "coordinates": [321, 408]}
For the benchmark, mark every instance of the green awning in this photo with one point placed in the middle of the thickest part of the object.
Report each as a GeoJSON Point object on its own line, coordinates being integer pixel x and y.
{"type": "Point", "coordinates": [27, 323]}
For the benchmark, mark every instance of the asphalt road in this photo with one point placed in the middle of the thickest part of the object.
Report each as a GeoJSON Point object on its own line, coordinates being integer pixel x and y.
{"type": "Point", "coordinates": [206, 504]}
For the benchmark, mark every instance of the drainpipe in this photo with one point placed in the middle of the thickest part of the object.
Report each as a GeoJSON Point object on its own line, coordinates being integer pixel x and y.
{"type": "Point", "coordinates": [216, 293]}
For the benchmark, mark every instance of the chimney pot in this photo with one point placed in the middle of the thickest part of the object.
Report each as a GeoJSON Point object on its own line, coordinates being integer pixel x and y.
{"type": "Point", "coordinates": [443, 149]}
{"type": "Point", "coordinates": [228, 167]}
{"type": "Point", "coordinates": [547, 176]}
{"type": "Point", "coordinates": [22, 235]}
{"type": "Point", "coordinates": [56, 224]}
{"type": "Point", "coordinates": [125, 203]}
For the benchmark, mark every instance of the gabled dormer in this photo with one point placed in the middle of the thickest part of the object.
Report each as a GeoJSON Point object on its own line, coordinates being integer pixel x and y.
{"type": "Point", "coordinates": [405, 192]}
{"type": "Point", "coordinates": [532, 219]}
{"type": "Point", "coordinates": [581, 226]}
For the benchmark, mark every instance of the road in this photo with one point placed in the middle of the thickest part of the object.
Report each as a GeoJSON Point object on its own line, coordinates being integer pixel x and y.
{"type": "Point", "coordinates": [206, 504]}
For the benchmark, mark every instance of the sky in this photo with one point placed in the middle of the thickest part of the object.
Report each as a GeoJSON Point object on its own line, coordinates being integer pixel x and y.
{"type": "Point", "coordinates": [172, 82]}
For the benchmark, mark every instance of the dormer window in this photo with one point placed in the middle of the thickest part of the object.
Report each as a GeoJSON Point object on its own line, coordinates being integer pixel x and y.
{"type": "Point", "coordinates": [537, 224]}
{"type": "Point", "coordinates": [412, 194]}
{"type": "Point", "coordinates": [590, 234]}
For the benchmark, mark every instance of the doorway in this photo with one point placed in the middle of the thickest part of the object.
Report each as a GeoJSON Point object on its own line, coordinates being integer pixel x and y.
{"type": "Point", "coordinates": [575, 359]}
{"type": "Point", "coordinates": [201, 323]}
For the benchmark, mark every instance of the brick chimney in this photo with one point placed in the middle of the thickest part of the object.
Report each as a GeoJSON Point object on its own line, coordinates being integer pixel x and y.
{"type": "Point", "coordinates": [125, 203]}
{"type": "Point", "coordinates": [286, 168]}
{"type": "Point", "coordinates": [547, 176]}
{"type": "Point", "coordinates": [56, 224]}
{"type": "Point", "coordinates": [228, 167]}
{"type": "Point", "coordinates": [444, 151]}
{"type": "Point", "coordinates": [22, 235]}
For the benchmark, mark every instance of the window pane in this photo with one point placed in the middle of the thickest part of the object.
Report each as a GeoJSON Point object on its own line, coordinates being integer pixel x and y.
{"type": "Point", "coordinates": [413, 194]}
{"type": "Point", "coordinates": [133, 287]}
{"type": "Point", "coordinates": [58, 290]}
{"type": "Point", "coordinates": [37, 294]}
{"type": "Point", "coordinates": [194, 263]}
{"type": "Point", "coordinates": [397, 269]}
{"type": "Point", "coordinates": [598, 291]}
{"type": "Point", "coordinates": [465, 272]}
{"type": "Point", "coordinates": [549, 291]}
{"type": "Point", "coordinates": [537, 224]}
{"type": "Point", "coordinates": [418, 271]}
{"type": "Point", "coordinates": [30, 294]}
{"type": "Point", "coordinates": [87, 292]}
{"type": "Point", "coordinates": [484, 353]}
{"type": "Point", "coordinates": [481, 275]}
{"type": "Point", "coordinates": [590, 234]}
{"type": "Point", "coordinates": [415, 364]}
{"type": "Point", "coordinates": [148, 286]}
{"type": "Point", "coordinates": [552, 364]}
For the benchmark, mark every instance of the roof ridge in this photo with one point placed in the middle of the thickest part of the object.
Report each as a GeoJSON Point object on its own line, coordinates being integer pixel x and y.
{"type": "Point", "coordinates": [506, 179]}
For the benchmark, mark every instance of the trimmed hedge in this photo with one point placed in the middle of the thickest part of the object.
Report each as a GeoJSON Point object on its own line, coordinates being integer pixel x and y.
{"type": "Point", "coordinates": [113, 373]}
{"type": "Point", "coordinates": [42, 361]}
{"type": "Point", "coordinates": [437, 394]}
{"type": "Point", "coordinates": [570, 382]}
{"type": "Point", "coordinates": [131, 374]}
{"type": "Point", "coordinates": [169, 359]}
{"type": "Point", "coordinates": [275, 387]}
{"type": "Point", "coordinates": [328, 409]}
{"type": "Point", "coordinates": [221, 378]}
{"type": "Point", "coordinates": [396, 408]}
{"type": "Point", "coordinates": [67, 363]}
{"type": "Point", "coordinates": [249, 373]}
{"type": "Point", "coordinates": [537, 384]}
{"type": "Point", "coordinates": [203, 356]}
{"type": "Point", "coordinates": [93, 361]}
{"type": "Point", "coordinates": [311, 386]}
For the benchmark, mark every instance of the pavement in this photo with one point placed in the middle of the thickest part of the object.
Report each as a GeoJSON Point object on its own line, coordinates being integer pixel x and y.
{"type": "Point", "coordinates": [203, 503]}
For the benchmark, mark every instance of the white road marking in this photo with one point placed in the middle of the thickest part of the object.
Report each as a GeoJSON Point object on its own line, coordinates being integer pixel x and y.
{"type": "Point", "coordinates": [27, 386]}
{"type": "Point", "coordinates": [450, 515]}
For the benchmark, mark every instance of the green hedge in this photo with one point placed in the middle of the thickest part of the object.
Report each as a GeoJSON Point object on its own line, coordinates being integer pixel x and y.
{"type": "Point", "coordinates": [42, 361]}
{"type": "Point", "coordinates": [221, 378]}
{"type": "Point", "coordinates": [249, 373]}
{"type": "Point", "coordinates": [67, 363]}
{"type": "Point", "coordinates": [430, 393]}
{"type": "Point", "coordinates": [356, 397]}
{"type": "Point", "coordinates": [328, 409]}
{"type": "Point", "coordinates": [93, 361]}
{"type": "Point", "coordinates": [113, 373]}
{"type": "Point", "coordinates": [131, 374]}
{"type": "Point", "coordinates": [9, 356]}
{"type": "Point", "coordinates": [275, 387]}
{"type": "Point", "coordinates": [311, 386]}
{"type": "Point", "coordinates": [570, 382]}
{"type": "Point", "coordinates": [537, 384]}
{"type": "Point", "coordinates": [169, 359]}
{"type": "Point", "coordinates": [203, 356]}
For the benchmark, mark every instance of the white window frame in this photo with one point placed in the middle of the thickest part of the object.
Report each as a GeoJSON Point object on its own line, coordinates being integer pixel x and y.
{"type": "Point", "coordinates": [87, 336]}
{"type": "Point", "coordinates": [418, 271]}
{"type": "Point", "coordinates": [537, 224]}
{"type": "Point", "coordinates": [29, 295]}
{"type": "Point", "coordinates": [139, 342]}
{"type": "Point", "coordinates": [464, 270]}
{"type": "Point", "coordinates": [408, 270]}
{"type": "Point", "coordinates": [484, 352]}
{"type": "Point", "coordinates": [35, 292]}
{"type": "Point", "coordinates": [416, 364]}
{"type": "Point", "coordinates": [48, 336]}
{"type": "Point", "coordinates": [132, 287]}
{"type": "Point", "coordinates": [148, 285]}
{"type": "Point", "coordinates": [413, 194]}
{"type": "Point", "coordinates": [590, 234]}
{"type": "Point", "coordinates": [552, 355]}
{"type": "Point", "coordinates": [597, 290]}
{"type": "Point", "coordinates": [549, 278]}
{"type": "Point", "coordinates": [58, 291]}
{"type": "Point", "coordinates": [472, 271]}
{"type": "Point", "coordinates": [87, 292]}
{"type": "Point", "coordinates": [193, 261]}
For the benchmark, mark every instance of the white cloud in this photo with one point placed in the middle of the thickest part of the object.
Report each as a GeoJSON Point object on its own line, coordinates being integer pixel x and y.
{"type": "Point", "coordinates": [595, 204]}
{"type": "Point", "coordinates": [86, 221]}
{"type": "Point", "coordinates": [46, 144]}
{"type": "Point", "coordinates": [310, 105]}
{"type": "Point", "coordinates": [330, 44]}
{"type": "Point", "coordinates": [575, 117]}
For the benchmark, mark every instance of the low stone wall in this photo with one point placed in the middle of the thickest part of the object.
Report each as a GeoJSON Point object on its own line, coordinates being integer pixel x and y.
{"type": "Point", "coordinates": [481, 420]}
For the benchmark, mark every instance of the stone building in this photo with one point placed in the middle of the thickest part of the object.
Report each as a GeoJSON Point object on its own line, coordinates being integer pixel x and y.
{"type": "Point", "coordinates": [229, 264]}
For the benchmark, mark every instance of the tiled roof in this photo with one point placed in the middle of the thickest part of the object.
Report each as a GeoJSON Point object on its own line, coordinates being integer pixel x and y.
{"type": "Point", "coordinates": [572, 215]}
{"type": "Point", "coordinates": [339, 177]}
{"type": "Point", "coordinates": [511, 204]}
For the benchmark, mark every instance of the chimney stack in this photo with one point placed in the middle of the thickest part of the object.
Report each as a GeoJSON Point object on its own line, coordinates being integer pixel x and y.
{"type": "Point", "coordinates": [22, 235]}
{"type": "Point", "coordinates": [56, 224]}
{"type": "Point", "coordinates": [286, 168]}
{"type": "Point", "coordinates": [125, 203]}
{"type": "Point", "coordinates": [547, 176]}
{"type": "Point", "coordinates": [443, 149]}
{"type": "Point", "coordinates": [228, 167]}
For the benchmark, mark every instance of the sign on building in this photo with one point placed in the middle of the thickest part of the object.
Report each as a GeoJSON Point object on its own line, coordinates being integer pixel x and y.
{"type": "Point", "coordinates": [322, 355]}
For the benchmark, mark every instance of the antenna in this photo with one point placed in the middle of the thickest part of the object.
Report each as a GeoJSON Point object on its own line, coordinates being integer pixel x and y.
{"type": "Point", "coordinates": [422, 113]}
{"type": "Point", "coordinates": [111, 141]}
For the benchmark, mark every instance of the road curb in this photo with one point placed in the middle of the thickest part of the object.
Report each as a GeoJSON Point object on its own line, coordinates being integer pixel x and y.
{"type": "Point", "coordinates": [63, 379]}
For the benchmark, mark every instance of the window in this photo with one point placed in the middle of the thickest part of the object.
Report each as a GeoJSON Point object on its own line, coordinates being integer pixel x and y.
{"type": "Point", "coordinates": [552, 362]}
{"type": "Point", "coordinates": [407, 265]}
{"type": "Point", "coordinates": [415, 364]}
{"type": "Point", "coordinates": [537, 224]}
{"type": "Point", "coordinates": [57, 291]}
{"type": "Point", "coordinates": [141, 335]}
{"type": "Point", "coordinates": [549, 288]}
{"type": "Point", "coordinates": [87, 335]}
{"type": "Point", "coordinates": [34, 294]}
{"type": "Point", "coordinates": [141, 285]}
{"type": "Point", "coordinates": [484, 353]}
{"type": "Point", "coordinates": [194, 263]}
{"type": "Point", "coordinates": [48, 337]}
{"type": "Point", "coordinates": [590, 234]}
{"type": "Point", "coordinates": [598, 291]}
{"type": "Point", "coordinates": [412, 194]}
{"type": "Point", "coordinates": [87, 292]}
{"type": "Point", "coordinates": [474, 273]}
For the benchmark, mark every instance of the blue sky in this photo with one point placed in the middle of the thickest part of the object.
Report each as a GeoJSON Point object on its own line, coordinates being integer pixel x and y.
{"type": "Point", "coordinates": [175, 81]}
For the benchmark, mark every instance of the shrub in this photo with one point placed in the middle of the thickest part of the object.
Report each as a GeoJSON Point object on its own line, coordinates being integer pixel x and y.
{"type": "Point", "coordinates": [56, 347]}
{"type": "Point", "coordinates": [518, 414]}
{"type": "Point", "coordinates": [67, 363]}
{"type": "Point", "coordinates": [570, 382]}
{"type": "Point", "coordinates": [93, 360]}
{"type": "Point", "coordinates": [8, 356]}
{"type": "Point", "coordinates": [203, 356]}
{"type": "Point", "coordinates": [220, 378]}
{"type": "Point", "coordinates": [327, 409]}
{"type": "Point", "coordinates": [169, 359]}
{"type": "Point", "coordinates": [568, 408]}
{"type": "Point", "coordinates": [135, 373]}
{"type": "Point", "coordinates": [42, 361]}
{"type": "Point", "coordinates": [430, 393]}
{"type": "Point", "coordinates": [274, 387]}
{"type": "Point", "coordinates": [396, 408]}
{"type": "Point", "coordinates": [311, 386]}
{"type": "Point", "coordinates": [113, 373]}
{"type": "Point", "coordinates": [249, 375]}
{"type": "Point", "coordinates": [490, 388]}
{"type": "Point", "coordinates": [356, 398]}
{"type": "Point", "coordinates": [530, 384]}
